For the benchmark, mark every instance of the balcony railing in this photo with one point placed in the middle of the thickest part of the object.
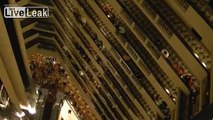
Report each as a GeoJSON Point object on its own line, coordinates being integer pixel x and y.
{"type": "Point", "coordinates": [117, 45]}
{"type": "Point", "coordinates": [182, 31]}
{"type": "Point", "coordinates": [205, 11]}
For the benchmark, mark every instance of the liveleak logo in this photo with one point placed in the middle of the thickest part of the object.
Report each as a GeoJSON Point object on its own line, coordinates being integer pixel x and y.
{"type": "Point", "coordinates": [26, 12]}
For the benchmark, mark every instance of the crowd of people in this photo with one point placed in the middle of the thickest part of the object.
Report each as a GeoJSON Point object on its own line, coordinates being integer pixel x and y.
{"type": "Point", "coordinates": [191, 83]}
{"type": "Point", "coordinates": [126, 57]}
{"type": "Point", "coordinates": [188, 80]}
{"type": "Point", "coordinates": [163, 106]}
{"type": "Point", "coordinates": [48, 72]}
{"type": "Point", "coordinates": [121, 29]}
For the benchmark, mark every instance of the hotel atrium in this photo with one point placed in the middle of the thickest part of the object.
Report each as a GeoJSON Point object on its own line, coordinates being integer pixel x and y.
{"type": "Point", "coordinates": [107, 60]}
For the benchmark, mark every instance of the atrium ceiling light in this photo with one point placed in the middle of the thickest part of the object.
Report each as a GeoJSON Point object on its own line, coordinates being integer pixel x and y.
{"type": "Point", "coordinates": [196, 55]}
{"type": "Point", "coordinates": [29, 108]}
{"type": "Point", "coordinates": [174, 99]}
{"type": "Point", "coordinates": [32, 110]}
{"type": "Point", "coordinates": [108, 16]}
{"type": "Point", "coordinates": [167, 91]}
{"type": "Point", "coordinates": [20, 114]}
{"type": "Point", "coordinates": [24, 107]}
{"type": "Point", "coordinates": [204, 64]}
{"type": "Point", "coordinates": [81, 73]}
{"type": "Point", "coordinates": [165, 53]}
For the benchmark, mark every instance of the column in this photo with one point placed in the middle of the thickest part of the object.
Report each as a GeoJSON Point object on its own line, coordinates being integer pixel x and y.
{"type": "Point", "coordinates": [211, 82]}
{"type": "Point", "coordinates": [23, 49]}
{"type": "Point", "coordinates": [11, 67]}
{"type": "Point", "coordinates": [8, 86]}
{"type": "Point", "coordinates": [31, 90]}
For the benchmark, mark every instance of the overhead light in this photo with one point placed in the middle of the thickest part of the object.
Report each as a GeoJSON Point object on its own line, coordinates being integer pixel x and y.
{"type": "Point", "coordinates": [103, 31]}
{"type": "Point", "coordinates": [167, 91]}
{"type": "Point", "coordinates": [173, 99]}
{"type": "Point", "coordinates": [4, 105]}
{"type": "Point", "coordinates": [20, 114]}
{"type": "Point", "coordinates": [37, 90]}
{"type": "Point", "coordinates": [5, 119]}
{"type": "Point", "coordinates": [81, 73]}
{"type": "Point", "coordinates": [165, 53]}
{"type": "Point", "coordinates": [204, 64]}
{"type": "Point", "coordinates": [108, 16]}
{"type": "Point", "coordinates": [196, 55]}
{"type": "Point", "coordinates": [32, 110]}
{"type": "Point", "coordinates": [24, 107]}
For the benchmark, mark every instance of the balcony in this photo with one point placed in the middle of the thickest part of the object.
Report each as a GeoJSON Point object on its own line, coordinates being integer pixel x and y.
{"type": "Point", "coordinates": [182, 31]}
{"type": "Point", "coordinates": [105, 32]}
{"type": "Point", "coordinates": [203, 9]}
{"type": "Point", "coordinates": [138, 47]}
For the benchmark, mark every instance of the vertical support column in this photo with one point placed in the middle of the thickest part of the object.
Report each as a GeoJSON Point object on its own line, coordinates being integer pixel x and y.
{"type": "Point", "coordinates": [11, 67]}
{"type": "Point", "coordinates": [32, 96]}
{"type": "Point", "coordinates": [211, 81]}
{"type": "Point", "coordinates": [23, 49]}
{"type": "Point", "coordinates": [8, 86]}
{"type": "Point", "coordinates": [202, 94]}
{"type": "Point", "coordinates": [31, 90]}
